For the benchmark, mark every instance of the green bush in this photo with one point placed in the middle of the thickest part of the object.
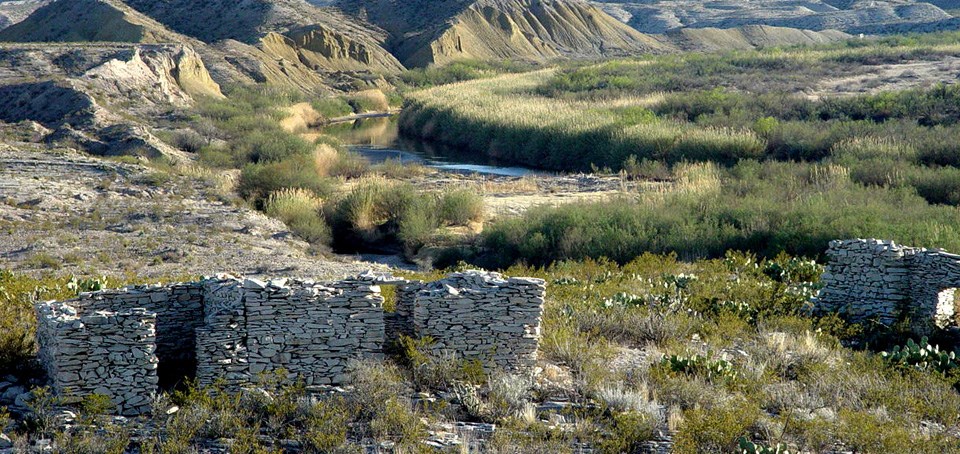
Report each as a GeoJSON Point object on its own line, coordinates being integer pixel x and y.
{"type": "Point", "coordinates": [271, 146]}
{"type": "Point", "coordinates": [377, 212]}
{"type": "Point", "coordinates": [764, 208]}
{"type": "Point", "coordinates": [630, 430]}
{"type": "Point", "coordinates": [716, 145]}
{"type": "Point", "coordinates": [460, 70]}
{"type": "Point", "coordinates": [257, 181]}
{"type": "Point", "coordinates": [461, 206]}
{"type": "Point", "coordinates": [332, 107]}
{"type": "Point", "coordinates": [715, 429]}
{"type": "Point", "coordinates": [864, 432]}
{"type": "Point", "coordinates": [301, 210]}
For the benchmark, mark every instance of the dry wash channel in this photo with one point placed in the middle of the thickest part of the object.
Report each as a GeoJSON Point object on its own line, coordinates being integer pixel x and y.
{"type": "Point", "coordinates": [231, 330]}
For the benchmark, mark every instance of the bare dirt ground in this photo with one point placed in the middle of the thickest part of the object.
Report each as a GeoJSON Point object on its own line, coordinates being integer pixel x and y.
{"type": "Point", "coordinates": [914, 74]}
{"type": "Point", "coordinates": [63, 210]}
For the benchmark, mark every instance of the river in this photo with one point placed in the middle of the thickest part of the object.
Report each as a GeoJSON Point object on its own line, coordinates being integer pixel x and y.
{"type": "Point", "coordinates": [378, 140]}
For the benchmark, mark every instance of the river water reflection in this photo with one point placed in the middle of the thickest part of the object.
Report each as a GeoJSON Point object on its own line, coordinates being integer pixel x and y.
{"type": "Point", "coordinates": [378, 140]}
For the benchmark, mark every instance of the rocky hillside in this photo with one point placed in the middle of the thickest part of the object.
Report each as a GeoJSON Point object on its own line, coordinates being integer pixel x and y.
{"type": "Point", "coordinates": [299, 55]}
{"type": "Point", "coordinates": [87, 20]}
{"type": "Point", "coordinates": [749, 37]}
{"type": "Point", "coordinates": [425, 32]}
{"type": "Point", "coordinates": [854, 16]}
{"type": "Point", "coordinates": [13, 11]}
{"type": "Point", "coordinates": [98, 97]}
{"type": "Point", "coordinates": [320, 38]}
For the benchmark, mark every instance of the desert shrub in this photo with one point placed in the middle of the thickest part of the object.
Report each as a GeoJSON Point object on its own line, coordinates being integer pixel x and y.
{"type": "Point", "coordinates": [398, 422]}
{"type": "Point", "coordinates": [270, 146]}
{"type": "Point", "coordinates": [716, 145]}
{"type": "Point", "coordinates": [630, 430]}
{"type": "Point", "coordinates": [331, 107]}
{"type": "Point", "coordinates": [620, 398]}
{"type": "Point", "coordinates": [432, 370]}
{"type": "Point", "coordinates": [375, 383]}
{"type": "Point", "coordinates": [764, 208]}
{"type": "Point", "coordinates": [362, 211]}
{"type": "Point", "coordinates": [153, 178]}
{"type": "Point", "coordinates": [327, 425]}
{"type": "Point", "coordinates": [110, 439]}
{"type": "Point", "coordinates": [638, 325]}
{"type": "Point", "coordinates": [18, 293]}
{"type": "Point", "coordinates": [417, 222]}
{"type": "Point", "coordinates": [376, 212]}
{"type": "Point", "coordinates": [865, 432]}
{"type": "Point", "coordinates": [509, 394]}
{"type": "Point", "coordinates": [461, 206]}
{"type": "Point", "coordinates": [300, 209]}
{"type": "Point", "coordinates": [585, 355]}
{"type": "Point", "coordinates": [258, 181]}
{"type": "Point", "coordinates": [715, 429]}
{"type": "Point", "coordinates": [249, 123]}
{"type": "Point", "coordinates": [369, 101]}
{"type": "Point", "coordinates": [185, 139]}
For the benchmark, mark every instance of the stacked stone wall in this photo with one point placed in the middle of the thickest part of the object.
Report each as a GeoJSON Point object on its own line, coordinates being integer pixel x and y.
{"type": "Point", "coordinates": [882, 281]}
{"type": "Point", "coordinates": [312, 330]}
{"type": "Point", "coordinates": [221, 341]}
{"type": "Point", "coordinates": [483, 316]}
{"type": "Point", "coordinates": [100, 352]}
{"type": "Point", "coordinates": [308, 329]}
{"type": "Point", "coordinates": [936, 275]}
{"type": "Point", "coordinates": [865, 280]}
{"type": "Point", "coordinates": [179, 309]}
{"type": "Point", "coordinates": [236, 329]}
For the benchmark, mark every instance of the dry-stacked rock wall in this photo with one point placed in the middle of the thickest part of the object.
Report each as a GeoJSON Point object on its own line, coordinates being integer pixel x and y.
{"type": "Point", "coordinates": [238, 329]}
{"type": "Point", "coordinates": [312, 330]}
{"type": "Point", "coordinates": [484, 317]}
{"type": "Point", "coordinates": [308, 329]}
{"type": "Point", "coordinates": [178, 307]}
{"type": "Point", "coordinates": [886, 282]}
{"type": "Point", "coordinates": [221, 346]}
{"type": "Point", "coordinates": [108, 353]}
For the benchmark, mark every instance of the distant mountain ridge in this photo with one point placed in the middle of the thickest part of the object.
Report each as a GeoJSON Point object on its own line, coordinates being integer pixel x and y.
{"type": "Point", "coordinates": [424, 32]}
{"type": "Point", "coordinates": [302, 59]}
{"type": "Point", "coordinates": [318, 44]}
{"type": "Point", "coordinates": [852, 16]}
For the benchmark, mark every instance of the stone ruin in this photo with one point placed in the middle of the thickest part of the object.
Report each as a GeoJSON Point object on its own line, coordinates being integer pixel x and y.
{"type": "Point", "coordinates": [886, 282]}
{"type": "Point", "coordinates": [228, 331]}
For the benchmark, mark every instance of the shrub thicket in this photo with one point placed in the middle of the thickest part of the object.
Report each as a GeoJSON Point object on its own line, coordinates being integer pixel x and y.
{"type": "Point", "coordinates": [728, 361]}
{"type": "Point", "coordinates": [761, 207]}
{"type": "Point", "coordinates": [301, 210]}
{"type": "Point", "coordinates": [377, 213]}
{"type": "Point", "coordinates": [703, 107]}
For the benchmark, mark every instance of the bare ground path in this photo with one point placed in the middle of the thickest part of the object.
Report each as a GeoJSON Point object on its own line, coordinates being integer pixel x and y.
{"type": "Point", "coordinates": [62, 209]}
